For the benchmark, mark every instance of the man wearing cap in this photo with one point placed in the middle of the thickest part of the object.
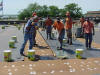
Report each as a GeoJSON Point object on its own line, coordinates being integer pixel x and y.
{"type": "Point", "coordinates": [88, 29]}
{"type": "Point", "coordinates": [82, 21]}
{"type": "Point", "coordinates": [48, 24]}
{"type": "Point", "coordinates": [60, 28]}
{"type": "Point", "coordinates": [69, 28]}
{"type": "Point", "coordinates": [28, 34]}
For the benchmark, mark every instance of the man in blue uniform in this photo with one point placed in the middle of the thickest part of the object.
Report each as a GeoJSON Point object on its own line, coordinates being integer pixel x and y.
{"type": "Point", "coordinates": [28, 35]}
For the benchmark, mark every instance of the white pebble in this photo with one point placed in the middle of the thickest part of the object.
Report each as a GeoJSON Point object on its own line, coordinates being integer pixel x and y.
{"type": "Point", "coordinates": [87, 65]}
{"type": "Point", "coordinates": [23, 65]}
{"type": "Point", "coordinates": [47, 54]}
{"type": "Point", "coordinates": [95, 68]}
{"type": "Point", "coordinates": [52, 64]}
{"type": "Point", "coordinates": [13, 65]}
{"type": "Point", "coordinates": [83, 69]}
{"type": "Point", "coordinates": [16, 69]}
{"type": "Point", "coordinates": [65, 63]}
{"type": "Point", "coordinates": [44, 72]}
{"type": "Point", "coordinates": [74, 63]}
{"type": "Point", "coordinates": [96, 61]}
{"type": "Point", "coordinates": [82, 62]}
{"type": "Point", "coordinates": [72, 70]}
{"type": "Point", "coordinates": [70, 66]}
{"type": "Point", "coordinates": [48, 64]}
{"type": "Point", "coordinates": [89, 62]}
{"type": "Point", "coordinates": [33, 73]}
{"type": "Point", "coordinates": [30, 65]}
{"type": "Point", "coordinates": [9, 69]}
{"type": "Point", "coordinates": [5, 66]}
{"type": "Point", "coordinates": [61, 71]}
{"type": "Point", "coordinates": [81, 65]}
{"type": "Point", "coordinates": [9, 73]}
{"type": "Point", "coordinates": [30, 68]}
{"type": "Point", "coordinates": [52, 71]}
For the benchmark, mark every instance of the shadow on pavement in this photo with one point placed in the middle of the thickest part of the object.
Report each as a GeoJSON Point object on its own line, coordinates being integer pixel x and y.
{"type": "Point", "coordinates": [47, 58]}
{"type": "Point", "coordinates": [43, 47]}
{"type": "Point", "coordinates": [69, 51]}
{"type": "Point", "coordinates": [94, 49]}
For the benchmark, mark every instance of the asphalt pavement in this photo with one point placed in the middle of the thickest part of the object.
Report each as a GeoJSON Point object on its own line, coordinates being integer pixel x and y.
{"type": "Point", "coordinates": [69, 50]}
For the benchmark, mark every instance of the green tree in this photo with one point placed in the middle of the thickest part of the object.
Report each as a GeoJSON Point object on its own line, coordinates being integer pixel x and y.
{"type": "Point", "coordinates": [53, 11]}
{"type": "Point", "coordinates": [76, 12]}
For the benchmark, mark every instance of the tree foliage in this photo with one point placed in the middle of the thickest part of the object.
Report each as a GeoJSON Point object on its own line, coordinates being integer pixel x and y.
{"type": "Point", "coordinates": [53, 11]}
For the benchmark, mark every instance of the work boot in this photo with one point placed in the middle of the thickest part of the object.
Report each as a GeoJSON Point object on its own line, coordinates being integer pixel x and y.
{"type": "Point", "coordinates": [23, 55]}
{"type": "Point", "coordinates": [59, 48]}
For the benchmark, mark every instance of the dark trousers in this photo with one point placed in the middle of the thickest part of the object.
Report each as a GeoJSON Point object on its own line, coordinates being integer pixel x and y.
{"type": "Point", "coordinates": [88, 39]}
{"type": "Point", "coordinates": [48, 31]}
{"type": "Point", "coordinates": [34, 36]}
{"type": "Point", "coordinates": [69, 36]}
{"type": "Point", "coordinates": [61, 37]}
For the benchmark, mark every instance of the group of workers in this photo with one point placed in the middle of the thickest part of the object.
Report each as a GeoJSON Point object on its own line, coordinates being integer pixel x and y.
{"type": "Point", "coordinates": [32, 25]}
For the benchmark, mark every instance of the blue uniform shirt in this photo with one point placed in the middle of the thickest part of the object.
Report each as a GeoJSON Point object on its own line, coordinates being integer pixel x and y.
{"type": "Point", "coordinates": [29, 24]}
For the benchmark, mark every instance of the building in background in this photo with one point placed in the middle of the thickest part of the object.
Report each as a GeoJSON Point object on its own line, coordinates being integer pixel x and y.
{"type": "Point", "coordinates": [93, 15]}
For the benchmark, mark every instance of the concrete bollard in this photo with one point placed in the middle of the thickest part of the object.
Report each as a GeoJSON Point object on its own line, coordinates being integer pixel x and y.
{"type": "Point", "coordinates": [7, 55]}
{"type": "Point", "coordinates": [12, 44]}
{"type": "Point", "coordinates": [3, 27]}
{"type": "Point", "coordinates": [31, 55]}
{"type": "Point", "coordinates": [14, 38]}
{"type": "Point", "coordinates": [64, 41]}
{"type": "Point", "coordinates": [79, 53]}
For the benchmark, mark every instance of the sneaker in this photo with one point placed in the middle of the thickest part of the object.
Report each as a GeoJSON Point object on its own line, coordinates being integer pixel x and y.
{"type": "Point", "coordinates": [59, 48]}
{"type": "Point", "coordinates": [87, 48]}
{"type": "Point", "coordinates": [23, 55]}
{"type": "Point", "coordinates": [70, 43]}
{"type": "Point", "coordinates": [35, 44]}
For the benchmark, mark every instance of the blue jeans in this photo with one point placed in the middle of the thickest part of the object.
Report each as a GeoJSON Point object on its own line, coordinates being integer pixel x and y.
{"type": "Point", "coordinates": [48, 31]}
{"type": "Point", "coordinates": [88, 39]}
{"type": "Point", "coordinates": [27, 36]}
{"type": "Point", "coordinates": [61, 37]}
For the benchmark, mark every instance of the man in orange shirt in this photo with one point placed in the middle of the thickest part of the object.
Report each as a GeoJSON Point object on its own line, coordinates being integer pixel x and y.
{"type": "Point", "coordinates": [60, 28]}
{"type": "Point", "coordinates": [69, 28]}
{"type": "Point", "coordinates": [48, 24]}
{"type": "Point", "coordinates": [82, 20]}
{"type": "Point", "coordinates": [88, 29]}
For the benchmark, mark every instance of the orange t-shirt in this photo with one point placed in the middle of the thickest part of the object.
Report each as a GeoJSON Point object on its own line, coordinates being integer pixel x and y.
{"type": "Point", "coordinates": [59, 26]}
{"type": "Point", "coordinates": [88, 26]}
{"type": "Point", "coordinates": [69, 23]}
{"type": "Point", "coordinates": [48, 22]}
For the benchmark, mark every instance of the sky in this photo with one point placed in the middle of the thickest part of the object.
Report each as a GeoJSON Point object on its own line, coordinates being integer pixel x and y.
{"type": "Point", "coordinates": [14, 6]}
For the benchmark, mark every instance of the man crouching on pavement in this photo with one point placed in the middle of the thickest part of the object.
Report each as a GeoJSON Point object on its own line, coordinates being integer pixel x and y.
{"type": "Point", "coordinates": [60, 28]}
